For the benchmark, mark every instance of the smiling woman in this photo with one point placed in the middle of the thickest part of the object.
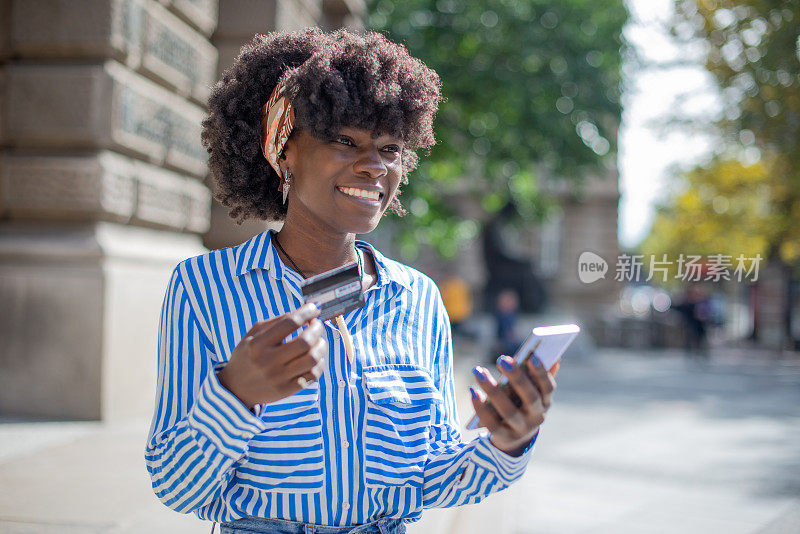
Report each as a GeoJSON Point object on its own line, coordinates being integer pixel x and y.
{"type": "Point", "coordinates": [332, 80]}
{"type": "Point", "coordinates": [345, 183]}
{"type": "Point", "coordinates": [269, 419]}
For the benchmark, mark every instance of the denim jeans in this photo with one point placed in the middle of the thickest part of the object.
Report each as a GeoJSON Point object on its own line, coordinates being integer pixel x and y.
{"type": "Point", "coordinates": [258, 525]}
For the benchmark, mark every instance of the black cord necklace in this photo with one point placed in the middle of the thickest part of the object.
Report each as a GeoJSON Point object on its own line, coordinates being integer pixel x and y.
{"type": "Point", "coordinates": [296, 268]}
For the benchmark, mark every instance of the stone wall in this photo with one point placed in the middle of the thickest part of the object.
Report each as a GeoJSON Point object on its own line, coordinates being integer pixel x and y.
{"type": "Point", "coordinates": [101, 193]}
{"type": "Point", "coordinates": [103, 186]}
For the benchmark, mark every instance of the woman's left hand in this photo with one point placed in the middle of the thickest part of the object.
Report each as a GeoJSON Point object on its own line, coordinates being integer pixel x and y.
{"type": "Point", "coordinates": [512, 427]}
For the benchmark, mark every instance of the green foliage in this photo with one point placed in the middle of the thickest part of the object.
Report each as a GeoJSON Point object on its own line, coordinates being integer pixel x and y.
{"type": "Point", "coordinates": [753, 52]}
{"type": "Point", "coordinates": [532, 92]}
{"type": "Point", "coordinates": [720, 209]}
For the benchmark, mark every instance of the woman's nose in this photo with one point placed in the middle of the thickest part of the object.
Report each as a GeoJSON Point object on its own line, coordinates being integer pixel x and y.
{"type": "Point", "coordinates": [370, 162]}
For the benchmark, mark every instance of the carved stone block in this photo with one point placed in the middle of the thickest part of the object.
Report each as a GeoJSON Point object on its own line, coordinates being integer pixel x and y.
{"type": "Point", "coordinates": [142, 34]}
{"type": "Point", "coordinates": [156, 123]}
{"type": "Point", "coordinates": [202, 14]}
{"type": "Point", "coordinates": [178, 55]}
{"type": "Point", "coordinates": [68, 28]}
{"type": "Point", "coordinates": [67, 187]}
{"type": "Point", "coordinates": [103, 106]}
{"type": "Point", "coordinates": [103, 186]}
{"type": "Point", "coordinates": [198, 207]}
{"type": "Point", "coordinates": [57, 105]}
{"type": "Point", "coordinates": [169, 199]}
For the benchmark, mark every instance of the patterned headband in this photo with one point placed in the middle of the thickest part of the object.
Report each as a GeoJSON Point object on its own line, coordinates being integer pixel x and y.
{"type": "Point", "coordinates": [277, 122]}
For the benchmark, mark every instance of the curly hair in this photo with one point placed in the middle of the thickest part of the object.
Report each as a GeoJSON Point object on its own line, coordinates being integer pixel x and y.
{"type": "Point", "coordinates": [333, 79]}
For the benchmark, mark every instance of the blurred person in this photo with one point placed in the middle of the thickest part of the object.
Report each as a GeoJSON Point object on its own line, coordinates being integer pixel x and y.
{"type": "Point", "coordinates": [695, 310]}
{"type": "Point", "coordinates": [268, 419]}
{"type": "Point", "coordinates": [506, 314]}
{"type": "Point", "coordinates": [457, 299]}
{"type": "Point", "coordinates": [506, 269]}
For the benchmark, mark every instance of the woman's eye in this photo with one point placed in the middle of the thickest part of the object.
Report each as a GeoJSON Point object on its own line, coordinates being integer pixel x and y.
{"type": "Point", "coordinates": [392, 148]}
{"type": "Point", "coordinates": [345, 141]}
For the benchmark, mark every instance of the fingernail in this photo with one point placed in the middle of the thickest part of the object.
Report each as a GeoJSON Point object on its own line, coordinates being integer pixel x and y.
{"type": "Point", "coordinates": [535, 360]}
{"type": "Point", "coordinates": [474, 393]}
{"type": "Point", "coordinates": [505, 363]}
{"type": "Point", "coordinates": [310, 307]}
{"type": "Point", "coordinates": [480, 374]}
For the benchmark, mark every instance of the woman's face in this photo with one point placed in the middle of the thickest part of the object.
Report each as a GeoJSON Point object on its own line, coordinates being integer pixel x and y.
{"type": "Point", "coordinates": [345, 183]}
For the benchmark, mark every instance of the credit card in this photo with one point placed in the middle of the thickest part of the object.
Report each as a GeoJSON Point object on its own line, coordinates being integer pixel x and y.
{"type": "Point", "coordinates": [336, 292]}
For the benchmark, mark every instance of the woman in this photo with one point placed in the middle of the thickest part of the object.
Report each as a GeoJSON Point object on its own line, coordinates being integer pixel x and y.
{"type": "Point", "coordinates": [268, 419]}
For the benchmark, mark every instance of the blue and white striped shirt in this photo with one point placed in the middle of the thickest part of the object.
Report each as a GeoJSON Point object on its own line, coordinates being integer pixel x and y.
{"type": "Point", "coordinates": [376, 438]}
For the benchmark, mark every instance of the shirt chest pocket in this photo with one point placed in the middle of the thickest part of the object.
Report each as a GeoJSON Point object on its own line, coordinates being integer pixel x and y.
{"type": "Point", "coordinates": [288, 455]}
{"type": "Point", "coordinates": [400, 403]}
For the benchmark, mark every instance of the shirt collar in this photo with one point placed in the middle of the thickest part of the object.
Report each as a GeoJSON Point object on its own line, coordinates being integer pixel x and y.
{"type": "Point", "coordinates": [258, 252]}
{"type": "Point", "coordinates": [388, 271]}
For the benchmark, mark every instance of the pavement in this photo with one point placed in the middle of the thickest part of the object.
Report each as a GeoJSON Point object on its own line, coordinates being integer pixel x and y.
{"type": "Point", "coordinates": [636, 442]}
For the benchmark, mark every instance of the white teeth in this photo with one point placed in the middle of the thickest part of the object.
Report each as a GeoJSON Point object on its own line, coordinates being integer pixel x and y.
{"type": "Point", "coordinates": [360, 193]}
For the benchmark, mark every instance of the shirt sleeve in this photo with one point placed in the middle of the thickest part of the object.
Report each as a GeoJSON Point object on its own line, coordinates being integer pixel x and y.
{"type": "Point", "coordinates": [459, 473]}
{"type": "Point", "coordinates": [199, 428]}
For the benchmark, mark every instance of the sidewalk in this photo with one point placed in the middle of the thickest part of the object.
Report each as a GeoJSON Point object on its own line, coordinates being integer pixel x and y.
{"type": "Point", "coordinates": [87, 477]}
{"type": "Point", "coordinates": [642, 443]}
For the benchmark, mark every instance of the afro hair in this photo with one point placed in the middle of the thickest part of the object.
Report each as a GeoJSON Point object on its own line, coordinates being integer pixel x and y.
{"type": "Point", "coordinates": [334, 80]}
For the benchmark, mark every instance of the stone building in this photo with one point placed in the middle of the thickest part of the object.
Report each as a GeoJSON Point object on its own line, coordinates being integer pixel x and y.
{"type": "Point", "coordinates": [102, 184]}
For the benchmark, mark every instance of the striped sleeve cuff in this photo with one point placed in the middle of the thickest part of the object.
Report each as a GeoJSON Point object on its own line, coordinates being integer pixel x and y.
{"type": "Point", "coordinates": [507, 468]}
{"type": "Point", "coordinates": [222, 419]}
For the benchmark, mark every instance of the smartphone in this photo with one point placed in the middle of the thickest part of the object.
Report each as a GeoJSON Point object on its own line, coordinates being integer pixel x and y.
{"type": "Point", "coordinates": [547, 343]}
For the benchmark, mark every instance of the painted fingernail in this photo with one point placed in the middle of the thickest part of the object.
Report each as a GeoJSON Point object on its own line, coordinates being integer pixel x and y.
{"type": "Point", "coordinates": [505, 363]}
{"type": "Point", "coordinates": [474, 393]}
{"type": "Point", "coordinates": [480, 374]}
{"type": "Point", "coordinates": [536, 362]}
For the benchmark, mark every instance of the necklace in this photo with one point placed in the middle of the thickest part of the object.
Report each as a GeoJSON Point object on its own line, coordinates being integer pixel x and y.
{"type": "Point", "coordinates": [296, 268]}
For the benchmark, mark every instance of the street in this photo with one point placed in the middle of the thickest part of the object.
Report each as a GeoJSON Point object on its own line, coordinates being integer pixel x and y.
{"type": "Point", "coordinates": [635, 442]}
{"type": "Point", "coordinates": [651, 443]}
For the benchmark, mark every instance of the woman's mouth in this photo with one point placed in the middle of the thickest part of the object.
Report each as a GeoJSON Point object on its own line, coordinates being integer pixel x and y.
{"type": "Point", "coordinates": [361, 194]}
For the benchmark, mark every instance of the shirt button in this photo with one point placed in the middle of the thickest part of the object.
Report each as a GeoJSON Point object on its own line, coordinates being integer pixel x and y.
{"type": "Point", "coordinates": [342, 383]}
{"type": "Point", "coordinates": [345, 505]}
{"type": "Point", "coordinates": [346, 444]}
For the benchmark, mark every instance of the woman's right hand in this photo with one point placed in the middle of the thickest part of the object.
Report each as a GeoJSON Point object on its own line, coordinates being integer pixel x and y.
{"type": "Point", "coordinates": [263, 368]}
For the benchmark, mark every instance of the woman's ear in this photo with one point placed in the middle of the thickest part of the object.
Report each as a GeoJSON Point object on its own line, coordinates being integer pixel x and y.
{"type": "Point", "coordinates": [289, 153]}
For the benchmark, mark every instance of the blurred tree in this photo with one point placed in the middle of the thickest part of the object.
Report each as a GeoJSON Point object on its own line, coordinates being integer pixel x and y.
{"type": "Point", "coordinates": [752, 48]}
{"type": "Point", "coordinates": [721, 208]}
{"type": "Point", "coordinates": [532, 92]}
